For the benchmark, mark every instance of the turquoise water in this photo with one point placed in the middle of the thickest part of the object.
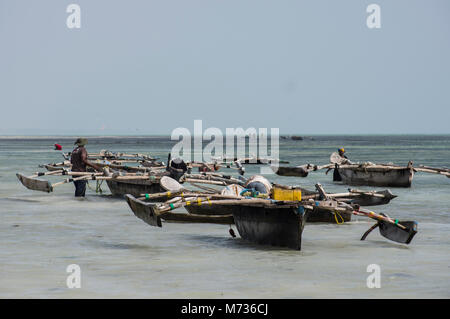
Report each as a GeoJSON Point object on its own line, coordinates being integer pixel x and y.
{"type": "Point", "coordinates": [120, 256]}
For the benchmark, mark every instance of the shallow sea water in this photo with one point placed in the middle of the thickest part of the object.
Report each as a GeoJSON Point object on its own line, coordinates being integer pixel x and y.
{"type": "Point", "coordinates": [122, 257]}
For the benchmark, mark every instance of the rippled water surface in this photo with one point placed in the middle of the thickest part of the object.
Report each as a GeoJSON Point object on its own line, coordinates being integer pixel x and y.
{"type": "Point", "coordinates": [120, 256]}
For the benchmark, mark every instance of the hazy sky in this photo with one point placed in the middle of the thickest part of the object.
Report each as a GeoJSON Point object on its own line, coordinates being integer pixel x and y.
{"type": "Point", "coordinates": [147, 67]}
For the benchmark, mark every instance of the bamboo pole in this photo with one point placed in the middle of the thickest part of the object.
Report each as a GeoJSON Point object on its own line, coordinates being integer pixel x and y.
{"type": "Point", "coordinates": [433, 171]}
{"type": "Point", "coordinates": [69, 180]}
{"type": "Point", "coordinates": [37, 174]}
{"type": "Point", "coordinates": [201, 181]}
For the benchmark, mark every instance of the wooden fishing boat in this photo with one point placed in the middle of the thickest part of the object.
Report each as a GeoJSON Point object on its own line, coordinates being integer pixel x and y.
{"type": "Point", "coordinates": [117, 182]}
{"type": "Point", "coordinates": [151, 186]}
{"type": "Point", "coordinates": [264, 220]}
{"type": "Point", "coordinates": [370, 174]}
{"type": "Point", "coordinates": [257, 220]}
{"type": "Point", "coordinates": [374, 175]}
{"type": "Point", "coordinates": [318, 215]}
{"type": "Point", "coordinates": [260, 220]}
{"type": "Point", "coordinates": [355, 196]}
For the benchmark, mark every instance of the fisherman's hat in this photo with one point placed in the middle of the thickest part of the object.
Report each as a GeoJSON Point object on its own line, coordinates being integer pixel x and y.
{"type": "Point", "coordinates": [81, 141]}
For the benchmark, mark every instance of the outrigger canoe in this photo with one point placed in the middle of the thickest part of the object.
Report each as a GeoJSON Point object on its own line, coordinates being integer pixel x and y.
{"type": "Point", "coordinates": [374, 175]}
{"type": "Point", "coordinates": [370, 174]}
{"type": "Point", "coordinates": [259, 221]}
{"type": "Point", "coordinates": [266, 221]}
{"type": "Point", "coordinates": [353, 196]}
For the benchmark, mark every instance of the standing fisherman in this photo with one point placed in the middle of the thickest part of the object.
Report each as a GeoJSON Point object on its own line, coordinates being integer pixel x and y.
{"type": "Point", "coordinates": [79, 160]}
{"type": "Point", "coordinates": [344, 158]}
{"type": "Point", "coordinates": [341, 152]}
{"type": "Point", "coordinates": [338, 158]}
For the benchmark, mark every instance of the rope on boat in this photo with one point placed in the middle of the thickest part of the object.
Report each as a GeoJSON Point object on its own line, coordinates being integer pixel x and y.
{"type": "Point", "coordinates": [89, 186]}
{"type": "Point", "coordinates": [336, 213]}
{"type": "Point", "coordinates": [98, 188]}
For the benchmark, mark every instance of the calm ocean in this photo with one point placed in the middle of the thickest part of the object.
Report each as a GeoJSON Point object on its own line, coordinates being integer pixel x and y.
{"type": "Point", "coordinates": [122, 257]}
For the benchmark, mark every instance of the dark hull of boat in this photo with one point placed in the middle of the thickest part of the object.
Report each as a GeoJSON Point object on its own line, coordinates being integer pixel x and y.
{"type": "Point", "coordinates": [325, 216]}
{"type": "Point", "coordinates": [205, 209]}
{"type": "Point", "coordinates": [317, 216]}
{"type": "Point", "coordinates": [143, 210]}
{"type": "Point", "coordinates": [192, 218]}
{"type": "Point", "coordinates": [281, 227]}
{"type": "Point", "coordinates": [133, 187]}
{"type": "Point", "coordinates": [377, 177]}
{"type": "Point", "coordinates": [368, 200]}
{"type": "Point", "coordinates": [291, 171]}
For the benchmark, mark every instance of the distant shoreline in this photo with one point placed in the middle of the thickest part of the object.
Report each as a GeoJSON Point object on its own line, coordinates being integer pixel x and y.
{"type": "Point", "coordinates": [37, 137]}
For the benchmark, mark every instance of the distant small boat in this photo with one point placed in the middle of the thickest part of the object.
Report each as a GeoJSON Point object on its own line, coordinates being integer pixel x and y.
{"type": "Point", "coordinates": [298, 171]}
{"type": "Point", "coordinates": [297, 138]}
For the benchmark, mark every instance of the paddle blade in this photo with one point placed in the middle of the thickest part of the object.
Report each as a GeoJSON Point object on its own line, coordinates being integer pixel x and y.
{"type": "Point", "coordinates": [397, 234]}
